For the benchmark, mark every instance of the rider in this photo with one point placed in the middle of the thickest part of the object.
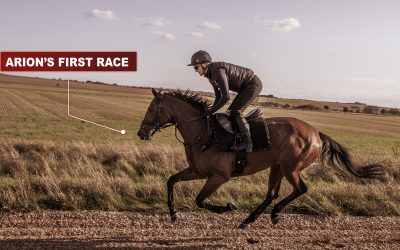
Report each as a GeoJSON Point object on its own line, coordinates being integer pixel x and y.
{"type": "Point", "coordinates": [224, 77]}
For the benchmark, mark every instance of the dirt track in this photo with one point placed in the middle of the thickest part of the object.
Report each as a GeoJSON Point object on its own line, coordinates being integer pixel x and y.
{"type": "Point", "coordinates": [101, 230]}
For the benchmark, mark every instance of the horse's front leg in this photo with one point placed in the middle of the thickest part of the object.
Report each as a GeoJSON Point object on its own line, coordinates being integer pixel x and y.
{"type": "Point", "coordinates": [212, 184]}
{"type": "Point", "coordinates": [185, 175]}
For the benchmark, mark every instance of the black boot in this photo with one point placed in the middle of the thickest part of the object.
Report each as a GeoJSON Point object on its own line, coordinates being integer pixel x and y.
{"type": "Point", "coordinates": [244, 129]}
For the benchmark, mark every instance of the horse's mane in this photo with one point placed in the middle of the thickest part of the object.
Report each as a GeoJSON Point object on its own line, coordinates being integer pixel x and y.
{"type": "Point", "coordinates": [196, 100]}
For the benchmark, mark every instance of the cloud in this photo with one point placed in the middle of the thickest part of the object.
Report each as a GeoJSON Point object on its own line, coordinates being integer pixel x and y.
{"type": "Point", "coordinates": [286, 24]}
{"type": "Point", "coordinates": [165, 35]}
{"type": "Point", "coordinates": [209, 25]}
{"type": "Point", "coordinates": [153, 21]}
{"type": "Point", "coordinates": [103, 14]}
{"type": "Point", "coordinates": [198, 35]}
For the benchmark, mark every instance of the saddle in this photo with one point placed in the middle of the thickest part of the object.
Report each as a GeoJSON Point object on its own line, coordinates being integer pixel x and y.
{"type": "Point", "coordinates": [225, 134]}
{"type": "Point", "coordinates": [225, 122]}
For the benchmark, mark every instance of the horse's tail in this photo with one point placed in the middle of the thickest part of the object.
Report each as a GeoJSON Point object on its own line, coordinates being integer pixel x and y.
{"type": "Point", "coordinates": [338, 156]}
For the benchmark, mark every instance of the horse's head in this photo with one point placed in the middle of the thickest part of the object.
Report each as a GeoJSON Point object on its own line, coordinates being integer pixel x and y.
{"type": "Point", "coordinates": [155, 118]}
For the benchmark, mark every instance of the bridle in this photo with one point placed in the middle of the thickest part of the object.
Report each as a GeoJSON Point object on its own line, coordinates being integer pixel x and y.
{"type": "Point", "coordinates": [157, 126]}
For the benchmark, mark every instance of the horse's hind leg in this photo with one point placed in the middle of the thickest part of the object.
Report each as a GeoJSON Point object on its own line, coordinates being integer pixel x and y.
{"type": "Point", "coordinates": [274, 183]}
{"type": "Point", "coordinates": [184, 175]}
{"type": "Point", "coordinates": [299, 188]}
{"type": "Point", "coordinates": [291, 170]}
{"type": "Point", "coordinates": [212, 184]}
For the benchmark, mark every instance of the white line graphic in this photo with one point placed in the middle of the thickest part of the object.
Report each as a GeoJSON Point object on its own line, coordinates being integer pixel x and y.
{"type": "Point", "coordinates": [119, 131]}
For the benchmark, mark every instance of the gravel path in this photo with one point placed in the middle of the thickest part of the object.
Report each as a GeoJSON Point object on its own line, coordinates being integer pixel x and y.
{"type": "Point", "coordinates": [193, 230]}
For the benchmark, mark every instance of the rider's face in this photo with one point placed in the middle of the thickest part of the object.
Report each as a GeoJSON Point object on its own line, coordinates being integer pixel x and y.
{"type": "Point", "coordinates": [199, 69]}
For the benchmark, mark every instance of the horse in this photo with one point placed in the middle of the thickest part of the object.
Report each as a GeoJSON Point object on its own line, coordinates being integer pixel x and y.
{"type": "Point", "coordinates": [296, 145]}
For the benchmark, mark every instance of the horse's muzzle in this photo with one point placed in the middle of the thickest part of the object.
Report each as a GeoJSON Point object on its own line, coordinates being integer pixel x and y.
{"type": "Point", "coordinates": [144, 133]}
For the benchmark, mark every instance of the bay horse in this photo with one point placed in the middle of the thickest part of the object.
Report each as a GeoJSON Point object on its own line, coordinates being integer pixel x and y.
{"type": "Point", "coordinates": [295, 146]}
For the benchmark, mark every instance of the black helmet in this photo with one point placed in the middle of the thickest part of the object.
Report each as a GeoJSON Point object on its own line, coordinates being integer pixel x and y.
{"type": "Point", "coordinates": [200, 56]}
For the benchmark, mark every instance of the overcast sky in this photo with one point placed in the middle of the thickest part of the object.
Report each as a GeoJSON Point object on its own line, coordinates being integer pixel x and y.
{"type": "Point", "coordinates": [312, 49]}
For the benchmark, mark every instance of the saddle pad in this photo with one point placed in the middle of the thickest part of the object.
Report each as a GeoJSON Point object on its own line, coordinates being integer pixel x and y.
{"type": "Point", "coordinates": [258, 130]}
{"type": "Point", "coordinates": [225, 122]}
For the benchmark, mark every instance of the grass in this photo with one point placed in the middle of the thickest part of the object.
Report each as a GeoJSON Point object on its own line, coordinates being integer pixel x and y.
{"type": "Point", "coordinates": [51, 161]}
{"type": "Point", "coordinates": [126, 177]}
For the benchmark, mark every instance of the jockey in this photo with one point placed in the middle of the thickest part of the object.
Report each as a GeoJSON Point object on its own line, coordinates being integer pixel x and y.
{"type": "Point", "coordinates": [224, 77]}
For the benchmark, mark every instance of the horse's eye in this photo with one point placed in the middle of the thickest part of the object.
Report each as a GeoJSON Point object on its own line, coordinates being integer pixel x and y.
{"type": "Point", "coordinates": [151, 110]}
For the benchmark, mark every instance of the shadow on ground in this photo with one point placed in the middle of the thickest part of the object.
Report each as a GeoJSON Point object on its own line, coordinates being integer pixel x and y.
{"type": "Point", "coordinates": [113, 243]}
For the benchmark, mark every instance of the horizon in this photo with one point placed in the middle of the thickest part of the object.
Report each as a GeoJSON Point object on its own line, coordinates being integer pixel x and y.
{"type": "Point", "coordinates": [149, 87]}
{"type": "Point", "coordinates": [316, 50]}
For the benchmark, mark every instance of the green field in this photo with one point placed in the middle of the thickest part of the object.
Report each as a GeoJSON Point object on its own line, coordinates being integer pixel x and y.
{"type": "Point", "coordinates": [39, 113]}
{"type": "Point", "coordinates": [49, 160]}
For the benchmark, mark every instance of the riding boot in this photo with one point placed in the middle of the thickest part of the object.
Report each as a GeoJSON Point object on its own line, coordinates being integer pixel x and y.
{"type": "Point", "coordinates": [245, 138]}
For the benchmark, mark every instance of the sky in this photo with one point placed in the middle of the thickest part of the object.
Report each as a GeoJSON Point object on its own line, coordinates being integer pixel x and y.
{"type": "Point", "coordinates": [344, 51]}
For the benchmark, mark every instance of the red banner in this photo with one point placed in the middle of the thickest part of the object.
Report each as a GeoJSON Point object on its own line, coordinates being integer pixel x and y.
{"type": "Point", "coordinates": [68, 61]}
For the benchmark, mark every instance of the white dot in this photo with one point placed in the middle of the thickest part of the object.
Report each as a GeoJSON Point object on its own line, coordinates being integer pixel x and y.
{"type": "Point", "coordinates": [123, 131]}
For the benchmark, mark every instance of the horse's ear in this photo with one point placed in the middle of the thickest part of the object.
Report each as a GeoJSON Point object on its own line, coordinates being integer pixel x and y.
{"type": "Point", "coordinates": [157, 93]}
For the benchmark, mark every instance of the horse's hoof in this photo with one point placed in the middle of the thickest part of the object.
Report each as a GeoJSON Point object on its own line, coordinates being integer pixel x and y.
{"type": "Point", "coordinates": [173, 217]}
{"type": "Point", "coordinates": [243, 225]}
{"type": "Point", "coordinates": [274, 219]}
{"type": "Point", "coordinates": [231, 207]}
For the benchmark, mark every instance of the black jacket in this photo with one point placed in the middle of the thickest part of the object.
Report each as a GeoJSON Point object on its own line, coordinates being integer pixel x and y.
{"type": "Point", "coordinates": [224, 77]}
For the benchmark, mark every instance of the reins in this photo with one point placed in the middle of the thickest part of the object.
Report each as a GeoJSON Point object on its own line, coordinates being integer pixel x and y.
{"type": "Point", "coordinates": [195, 140]}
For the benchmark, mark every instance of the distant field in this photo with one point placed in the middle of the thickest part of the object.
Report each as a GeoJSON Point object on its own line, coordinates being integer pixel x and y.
{"type": "Point", "coordinates": [36, 109]}
{"type": "Point", "coordinates": [318, 104]}
{"type": "Point", "coordinates": [39, 112]}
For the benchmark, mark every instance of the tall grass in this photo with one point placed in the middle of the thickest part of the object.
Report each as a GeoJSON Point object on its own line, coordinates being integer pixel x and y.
{"type": "Point", "coordinates": [126, 177]}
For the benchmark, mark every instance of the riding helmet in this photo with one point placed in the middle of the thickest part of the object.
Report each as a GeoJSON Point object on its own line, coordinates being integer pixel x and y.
{"type": "Point", "coordinates": [200, 56]}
